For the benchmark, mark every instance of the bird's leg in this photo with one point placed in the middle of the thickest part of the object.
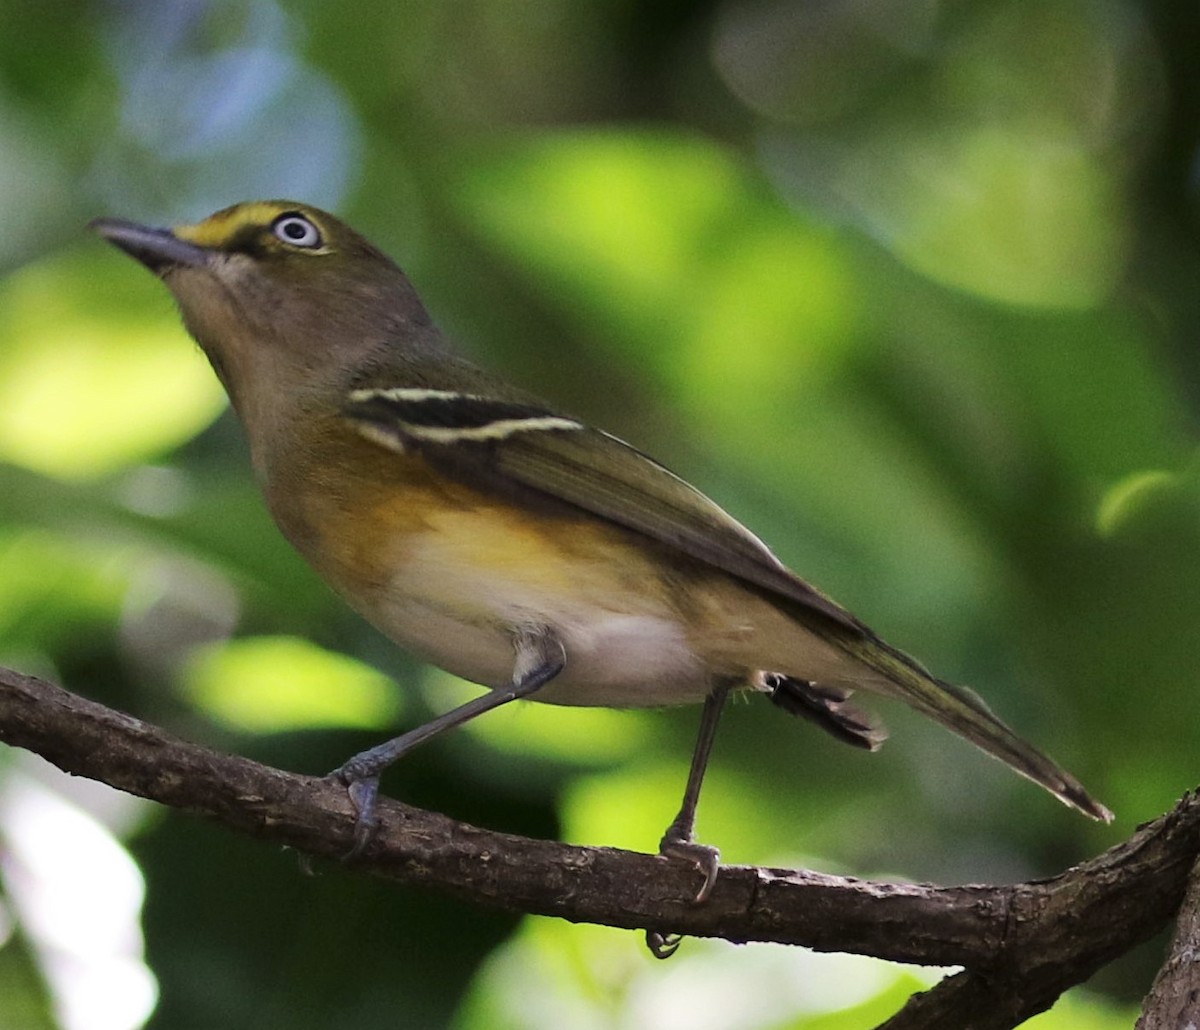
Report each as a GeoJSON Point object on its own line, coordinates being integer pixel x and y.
{"type": "Point", "coordinates": [539, 658]}
{"type": "Point", "coordinates": [678, 841]}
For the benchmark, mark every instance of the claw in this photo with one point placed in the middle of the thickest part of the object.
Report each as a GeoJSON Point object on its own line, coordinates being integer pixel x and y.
{"type": "Point", "coordinates": [705, 858]}
{"type": "Point", "coordinates": [662, 945]}
{"type": "Point", "coordinates": [677, 843]}
{"type": "Point", "coordinates": [364, 793]}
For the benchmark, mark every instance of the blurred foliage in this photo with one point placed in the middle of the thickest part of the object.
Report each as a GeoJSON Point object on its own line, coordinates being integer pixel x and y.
{"type": "Point", "coordinates": [908, 286]}
{"type": "Point", "coordinates": [272, 684]}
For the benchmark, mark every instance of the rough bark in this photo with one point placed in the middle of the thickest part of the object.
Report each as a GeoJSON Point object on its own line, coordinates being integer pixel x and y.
{"type": "Point", "coordinates": [1021, 946]}
{"type": "Point", "coordinates": [1174, 1001]}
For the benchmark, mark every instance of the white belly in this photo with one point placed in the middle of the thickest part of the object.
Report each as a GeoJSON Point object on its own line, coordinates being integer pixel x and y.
{"type": "Point", "coordinates": [623, 648]}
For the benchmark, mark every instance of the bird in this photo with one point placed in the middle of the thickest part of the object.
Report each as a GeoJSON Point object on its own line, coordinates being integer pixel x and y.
{"type": "Point", "coordinates": [488, 533]}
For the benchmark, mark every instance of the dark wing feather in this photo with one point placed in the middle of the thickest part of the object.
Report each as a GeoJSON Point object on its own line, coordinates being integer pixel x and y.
{"type": "Point", "coordinates": [536, 456]}
{"type": "Point", "coordinates": [585, 468]}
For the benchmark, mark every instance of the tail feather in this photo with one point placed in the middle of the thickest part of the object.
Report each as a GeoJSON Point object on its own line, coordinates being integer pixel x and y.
{"type": "Point", "coordinates": [964, 712]}
{"type": "Point", "coordinates": [827, 707]}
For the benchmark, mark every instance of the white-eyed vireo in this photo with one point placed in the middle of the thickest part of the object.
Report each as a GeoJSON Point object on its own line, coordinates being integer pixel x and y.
{"type": "Point", "coordinates": [498, 538]}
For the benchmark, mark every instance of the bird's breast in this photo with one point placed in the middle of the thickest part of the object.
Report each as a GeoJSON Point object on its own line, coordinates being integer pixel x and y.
{"type": "Point", "coordinates": [449, 572]}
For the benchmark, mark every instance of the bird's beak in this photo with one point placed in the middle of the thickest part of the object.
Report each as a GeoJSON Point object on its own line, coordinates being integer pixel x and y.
{"type": "Point", "coordinates": [160, 250]}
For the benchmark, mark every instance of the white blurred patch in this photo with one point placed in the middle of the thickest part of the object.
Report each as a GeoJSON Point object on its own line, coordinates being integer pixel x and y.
{"type": "Point", "coordinates": [204, 125]}
{"type": "Point", "coordinates": [77, 895]}
{"type": "Point", "coordinates": [760, 986]}
{"type": "Point", "coordinates": [553, 974]}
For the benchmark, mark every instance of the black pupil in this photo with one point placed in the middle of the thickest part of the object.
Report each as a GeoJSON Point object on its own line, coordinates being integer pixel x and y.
{"type": "Point", "coordinates": [295, 229]}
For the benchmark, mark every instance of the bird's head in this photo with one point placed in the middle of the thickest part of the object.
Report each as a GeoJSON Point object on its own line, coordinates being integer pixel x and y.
{"type": "Point", "coordinates": [275, 291]}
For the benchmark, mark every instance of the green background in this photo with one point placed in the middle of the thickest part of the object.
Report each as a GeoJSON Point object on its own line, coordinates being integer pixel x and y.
{"type": "Point", "coordinates": [907, 286]}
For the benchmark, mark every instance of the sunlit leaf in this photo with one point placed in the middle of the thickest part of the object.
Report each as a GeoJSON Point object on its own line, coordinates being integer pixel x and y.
{"type": "Point", "coordinates": [649, 230]}
{"type": "Point", "coordinates": [272, 684]}
{"type": "Point", "coordinates": [586, 736]}
{"type": "Point", "coordinates": [1047, 208]}
{"type": "Point", "coordinates": [630, 807]}
{"type": "Point", "coordinates": [84, 388]}
{"type": "Point", "coordinates": [1081, 1009]}
{"type": "Point", "coordinates": [52, 583]}
{"type": "Point", "coordinates": [1125, 498]}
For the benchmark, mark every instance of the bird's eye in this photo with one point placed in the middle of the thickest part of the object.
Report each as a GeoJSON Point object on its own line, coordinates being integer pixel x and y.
{"type": "Point", "coordinates": [296, 230]}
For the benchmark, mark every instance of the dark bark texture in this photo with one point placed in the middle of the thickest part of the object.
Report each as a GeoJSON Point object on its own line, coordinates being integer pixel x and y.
{"type": "Point", "coordinates": [1020, 946]}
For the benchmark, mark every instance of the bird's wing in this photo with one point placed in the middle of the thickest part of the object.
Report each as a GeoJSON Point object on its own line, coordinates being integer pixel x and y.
{"type": "Point", "coordinates": [536, 456]}
{"type": "Point", "coordinates": [531, 455]}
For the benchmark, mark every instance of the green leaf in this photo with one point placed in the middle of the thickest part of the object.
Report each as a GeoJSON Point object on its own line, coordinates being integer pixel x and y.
{"type": "Point", "coordinates": [272, 684]}
{"type": "Point", "coordinates": [86, 389]}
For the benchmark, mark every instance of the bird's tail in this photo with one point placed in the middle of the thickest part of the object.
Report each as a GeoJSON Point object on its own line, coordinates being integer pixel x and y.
{"type": "Point", "coordinates": [827, 707]}
{"type": "Point", "coordinates": [964, 712]}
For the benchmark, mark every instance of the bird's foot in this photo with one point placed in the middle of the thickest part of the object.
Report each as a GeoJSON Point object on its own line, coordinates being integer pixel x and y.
{"type": "Point", "coordinates": [705, 858]}
{"type": "Point", "coordinates": [677, 843]}
{"type": "Point", "coordinates": [364, 795]}
{"type": "Point", "coordinates": [663, 945]}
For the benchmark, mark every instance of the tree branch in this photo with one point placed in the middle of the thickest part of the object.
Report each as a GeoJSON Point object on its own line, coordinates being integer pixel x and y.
{"type": "Point", "coordinates": [1174, 999]}
{"type": "Point", "coordinates": [1021, 945]}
